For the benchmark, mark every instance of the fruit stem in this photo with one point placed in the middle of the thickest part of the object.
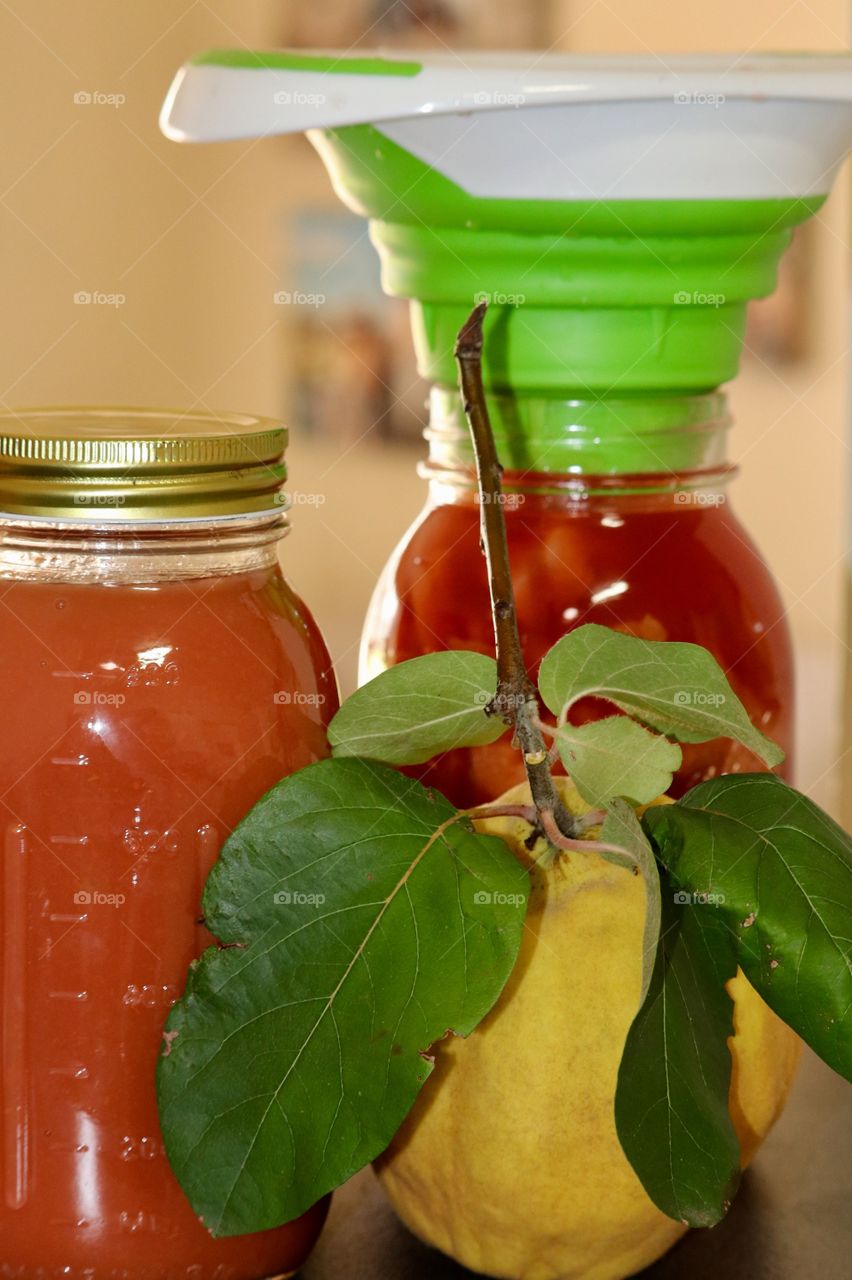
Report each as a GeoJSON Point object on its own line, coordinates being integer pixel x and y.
{"type": "Point", "coordinates": [516, 699]}
{"type": "Point", "coordinates": [560, 841]}
{"type": "Point", "coordinates": [525, 811]}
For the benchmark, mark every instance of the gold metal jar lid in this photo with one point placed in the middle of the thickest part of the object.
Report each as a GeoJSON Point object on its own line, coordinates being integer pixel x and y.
{"type": "Point", "coordinates": [120, 464]}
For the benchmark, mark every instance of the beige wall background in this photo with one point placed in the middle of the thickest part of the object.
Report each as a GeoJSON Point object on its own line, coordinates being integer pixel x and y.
{"type": "Point", "coordinates": [93, 199]}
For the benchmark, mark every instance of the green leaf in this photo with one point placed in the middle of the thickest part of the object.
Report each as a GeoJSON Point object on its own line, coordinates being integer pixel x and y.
{"type": "Point", "coordinates": [617, 757]}
{"type": "Point", "coordinates": [781, 873]}
{"type": "Point", "coordinates": [365, 922]}
{"type": "Point", "coordinates": [419, 708]}
{"type": "Point", "coordinates": [671, 1104]}
{"type": "Point", "coordinates": [678, 689]}
{"type": "Point", "coordinates": [621, 827]}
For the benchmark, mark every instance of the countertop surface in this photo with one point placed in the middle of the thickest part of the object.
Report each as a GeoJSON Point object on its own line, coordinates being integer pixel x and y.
{"type": "Point", "coordinates": [792, 1219]}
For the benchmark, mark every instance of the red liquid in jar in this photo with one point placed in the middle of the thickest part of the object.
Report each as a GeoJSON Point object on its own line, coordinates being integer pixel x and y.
{"type": "Point", "coordinates": [651, 565]}
{"type": "Point", "coordinates": [140, 724]}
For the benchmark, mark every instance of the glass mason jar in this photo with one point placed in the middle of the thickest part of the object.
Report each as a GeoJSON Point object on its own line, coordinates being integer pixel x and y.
{"type": "Point", "coordinates": [157, 676]}
{"type": "Point", "coordinates": [617, 513]}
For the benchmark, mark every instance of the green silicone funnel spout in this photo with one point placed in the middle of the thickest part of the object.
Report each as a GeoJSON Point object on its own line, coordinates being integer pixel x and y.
{"type": "Point", "coordinates": [617, 213]}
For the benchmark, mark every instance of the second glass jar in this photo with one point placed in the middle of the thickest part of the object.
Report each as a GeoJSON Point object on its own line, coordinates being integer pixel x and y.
{"type": "Point", "coordinates": [617, 513]}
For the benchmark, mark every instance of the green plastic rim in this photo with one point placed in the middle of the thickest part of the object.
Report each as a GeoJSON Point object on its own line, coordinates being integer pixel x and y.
{"type": "Point", "coordinates": [583, 352]}
{"type": "Point", "coordinates": [618, 435]}
{"type": "Point", "coordinates": [283, 60]}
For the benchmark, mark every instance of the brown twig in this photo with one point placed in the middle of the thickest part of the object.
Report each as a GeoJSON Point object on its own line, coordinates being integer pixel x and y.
{"type": "Point", "coordinates": [516, 700]}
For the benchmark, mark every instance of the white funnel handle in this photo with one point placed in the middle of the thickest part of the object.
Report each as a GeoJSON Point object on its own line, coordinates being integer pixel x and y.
{"type": "Point", "coordinates": [236, 94]}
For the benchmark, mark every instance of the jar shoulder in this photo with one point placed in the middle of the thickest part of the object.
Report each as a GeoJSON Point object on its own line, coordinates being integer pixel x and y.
{"type": "Point", "coordinates": [685, 572]}
{"type": "Point", "coordinates": [200, 672]}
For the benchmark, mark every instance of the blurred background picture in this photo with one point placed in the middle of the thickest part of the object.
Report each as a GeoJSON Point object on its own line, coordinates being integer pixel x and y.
{"type": "Point", "coordinates": [351, 363]}
{"type": "Point", "coordinates": [456, 24]}
{"type": "Point", "coordinates": [780, 327]}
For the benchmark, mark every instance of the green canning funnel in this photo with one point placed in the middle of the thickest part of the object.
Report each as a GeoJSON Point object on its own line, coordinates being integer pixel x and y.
{"type": "Point", "coordinates": [617, 213]}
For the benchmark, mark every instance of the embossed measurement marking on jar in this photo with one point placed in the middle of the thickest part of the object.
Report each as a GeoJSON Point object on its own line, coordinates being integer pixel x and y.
{"type": "Point", "coordinates": [16, 1120]}
{"type": "Point", "coordinates": [138, 1222]}
{"type": "Point", "coordinates": [108, 672]}
{"type": "Point", "coordinates": [141, 1149]}
{"type": "Point", "coordinates": [70, 920]}
{"type": "Point", "coordinates": [140, 840]}
{"type": "Point", "coordinates": [73, 1072]}
{"type": "Point", "coordinates": [151, 995]}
